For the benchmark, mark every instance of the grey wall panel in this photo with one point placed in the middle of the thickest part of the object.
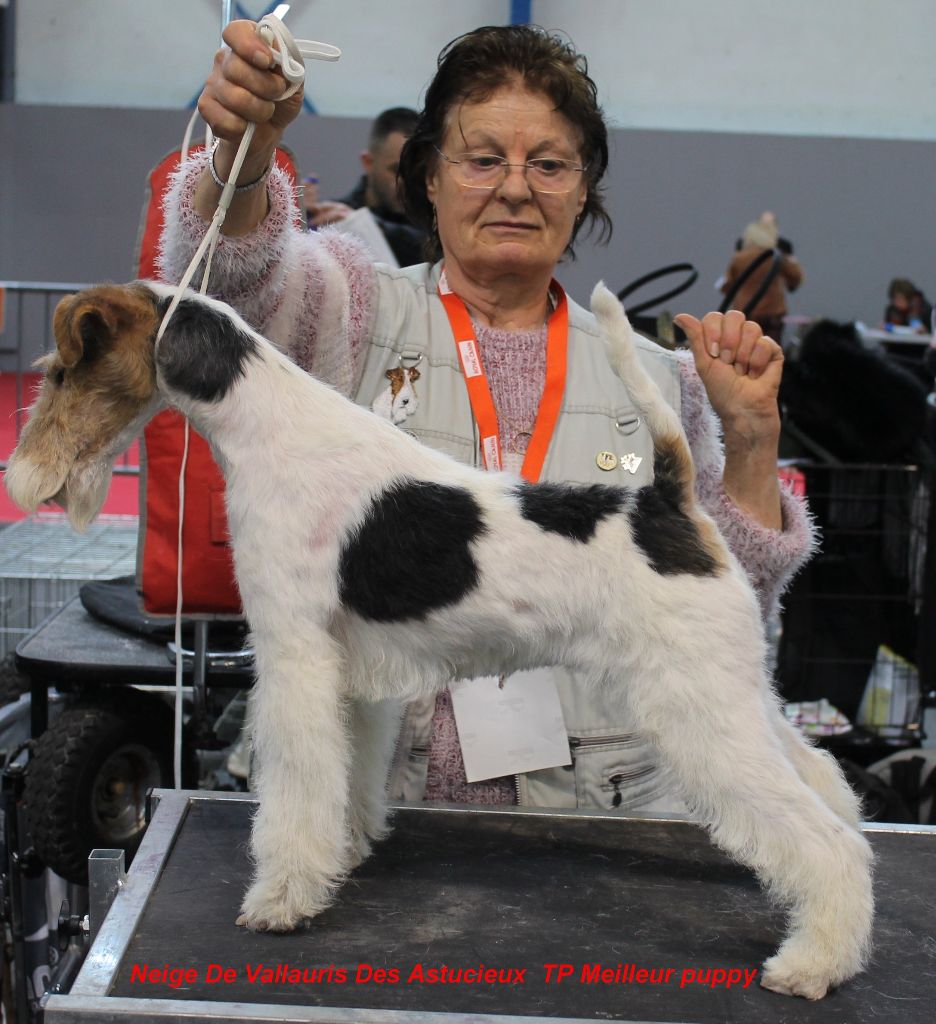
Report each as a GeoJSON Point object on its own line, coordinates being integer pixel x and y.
{"type": "Point", "coordinates": [858, 211]}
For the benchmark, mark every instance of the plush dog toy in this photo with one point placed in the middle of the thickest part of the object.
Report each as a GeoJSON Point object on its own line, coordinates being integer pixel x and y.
{"type": "Point", "coordinates": [375, 570]}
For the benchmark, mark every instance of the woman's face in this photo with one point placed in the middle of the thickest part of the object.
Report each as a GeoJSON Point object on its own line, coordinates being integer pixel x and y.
{"type": "Point", "coordinates": [509, 229]}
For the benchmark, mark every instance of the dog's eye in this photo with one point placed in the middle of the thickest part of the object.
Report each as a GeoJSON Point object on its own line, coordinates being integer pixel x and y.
{"type": "Point", "coordinates": [59, 377]}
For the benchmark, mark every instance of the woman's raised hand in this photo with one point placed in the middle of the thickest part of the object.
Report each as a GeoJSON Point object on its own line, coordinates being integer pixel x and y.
{"type": "Point", "coordinates": [244, 87]}
{"type": "Point", "coordinates": [741, 369]}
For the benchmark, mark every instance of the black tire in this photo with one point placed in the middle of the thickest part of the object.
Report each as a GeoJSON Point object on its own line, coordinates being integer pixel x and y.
{"type": "Point", "coordinates": [88, 776]}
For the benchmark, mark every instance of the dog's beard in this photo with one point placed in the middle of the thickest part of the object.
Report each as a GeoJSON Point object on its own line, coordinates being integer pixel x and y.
{"type": "Point", "coordinates": [30, 482]}
{"type": "Point", "coordinates": [85, 491]}
{"type": "Point", "coordinates": [46, 467]}
{"type": "Point", "coordinates": [39, 466]}
{"type": "Point", "coordinates": [80, 489]}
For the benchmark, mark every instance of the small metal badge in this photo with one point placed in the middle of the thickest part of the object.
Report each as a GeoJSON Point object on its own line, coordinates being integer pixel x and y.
{"type": "Point", "coordinates": [606, 461]}
{"type": "Point", "coordinates": [631, 462]}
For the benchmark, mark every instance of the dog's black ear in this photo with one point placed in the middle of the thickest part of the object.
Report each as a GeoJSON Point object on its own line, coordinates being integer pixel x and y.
{"type": "Point", "coordinates": [82, 327]}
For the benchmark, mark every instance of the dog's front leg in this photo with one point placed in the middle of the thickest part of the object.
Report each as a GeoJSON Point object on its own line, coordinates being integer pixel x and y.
{"type": "Point", "coordinates": [299, 838]}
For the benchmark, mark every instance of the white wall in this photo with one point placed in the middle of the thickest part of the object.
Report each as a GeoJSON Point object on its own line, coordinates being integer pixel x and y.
{"type": "Point", "coordinates": [863, 68]}
{"type": "Point", "coordinates": [799, 67]}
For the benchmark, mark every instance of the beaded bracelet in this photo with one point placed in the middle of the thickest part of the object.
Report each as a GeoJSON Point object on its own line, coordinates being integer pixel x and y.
{"type": "Point", "coordinates": [250, 186]}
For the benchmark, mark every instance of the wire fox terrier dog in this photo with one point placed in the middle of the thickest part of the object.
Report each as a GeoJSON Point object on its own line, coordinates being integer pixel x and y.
{"type": "Point", "coordinates": [375, 570]}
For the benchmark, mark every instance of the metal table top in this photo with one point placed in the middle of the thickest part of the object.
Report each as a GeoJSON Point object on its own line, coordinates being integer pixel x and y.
{"type": "Point", "coordinates": [515, 891]}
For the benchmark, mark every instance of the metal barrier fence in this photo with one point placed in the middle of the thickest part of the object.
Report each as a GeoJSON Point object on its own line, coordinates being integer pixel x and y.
{"type": "Point", "coordinates": [858, 620]}
{"type": "Point", "coordinates": [43, 563]}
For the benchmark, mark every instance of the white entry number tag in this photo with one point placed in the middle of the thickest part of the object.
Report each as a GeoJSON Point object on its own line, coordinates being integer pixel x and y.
{"type": "Point", "coordinates": [510, 726]}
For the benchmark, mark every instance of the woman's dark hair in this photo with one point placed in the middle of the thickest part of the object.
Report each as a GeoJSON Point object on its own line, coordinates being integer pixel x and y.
{"type": "Point", "coordinates": [475, 65]}
{"type": "Point", "coordinates": [901, 286]}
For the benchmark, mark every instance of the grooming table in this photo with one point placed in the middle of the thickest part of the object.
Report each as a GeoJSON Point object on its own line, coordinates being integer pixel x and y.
{"type": "Point", "coordinates": [513, 890]}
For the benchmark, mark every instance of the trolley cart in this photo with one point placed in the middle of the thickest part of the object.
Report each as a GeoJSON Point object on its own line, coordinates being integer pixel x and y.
{"type": "Point", "coordinates": [91, 765]}
{"type": "Point", "coordinates": [72, 649]}
{"type": "Point", "coordinates": [467, 915]}
{"type": "Point", "coordinates": [90, 769]}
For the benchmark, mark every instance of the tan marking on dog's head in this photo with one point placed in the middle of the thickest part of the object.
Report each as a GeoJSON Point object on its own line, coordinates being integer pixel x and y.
{"type": "Point", "coordinates": [398, 376]}
{"type": "Point", "coordinates": [100, 380]}
{"type": "Point", "coordinates": [113, 323]}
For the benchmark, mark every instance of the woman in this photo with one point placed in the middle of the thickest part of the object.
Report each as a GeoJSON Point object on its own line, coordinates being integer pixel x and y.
{"type": "Point", "coordinates": [503, 170]}
{"type": "Point", "coordinates": [761, 236]}
{"type": "Point", "coordinates": [907, 306]}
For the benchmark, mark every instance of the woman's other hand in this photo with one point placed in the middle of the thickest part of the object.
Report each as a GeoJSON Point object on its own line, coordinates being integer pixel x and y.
{"type": "Point", "coordinates": [326, 212]}
{"type": "Point", "coordinates": [740, 368]}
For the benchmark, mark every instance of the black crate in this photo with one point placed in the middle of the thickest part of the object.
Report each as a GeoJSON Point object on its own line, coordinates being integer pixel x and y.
{"type": "Point", "coordinates": [867, 590]}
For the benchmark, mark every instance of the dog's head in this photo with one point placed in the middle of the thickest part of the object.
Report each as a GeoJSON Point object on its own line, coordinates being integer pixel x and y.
{"type": "Point", "coordinates": [99, 389]}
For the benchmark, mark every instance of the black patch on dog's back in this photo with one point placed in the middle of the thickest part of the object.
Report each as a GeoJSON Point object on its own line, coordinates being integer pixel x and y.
{"type": "Point", "coordinates": [662, 529]}
{"type": "Point", "coordinates": [203, 352]}
{"type": "Point", "coordinates": [412, 552]}
{"type": "Point", "coordinates": [575, 512]}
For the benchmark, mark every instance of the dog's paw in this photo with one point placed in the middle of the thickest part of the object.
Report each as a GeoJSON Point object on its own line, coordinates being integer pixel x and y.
{"type": "Point", "coordinates": [271, 919]}
{"type": "Point", "coordinates": [283, 908]}
{"type": "Point", "coordinates": [783, 974]}
{"type": "Point", "coordinates": [265, 924]}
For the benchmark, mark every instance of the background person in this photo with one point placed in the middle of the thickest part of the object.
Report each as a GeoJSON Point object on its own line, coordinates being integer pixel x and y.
{"type": "Point", "coordinates": [503, 170]}
{"type": "Point", "coordinates": [377, 188]}
{"type": "Point", "coordinates": [907, 306]}
{"type": "Point", "coordinates": [769, 218]}
{"type": "Point", "coordinates": [760, 236]}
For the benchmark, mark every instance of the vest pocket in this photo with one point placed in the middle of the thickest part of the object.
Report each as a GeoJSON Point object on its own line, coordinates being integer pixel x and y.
{"type": "Point", "coordinates": [412, 780]}
{"type": "Point", "coordinates": [614, 773]}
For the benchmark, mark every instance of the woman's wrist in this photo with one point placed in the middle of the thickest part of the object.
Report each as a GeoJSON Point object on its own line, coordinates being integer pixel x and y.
{"type": "Point", "coordinates": [256, 164]}
{"type": "Point", "coordinates": [245, 182]}
{"type": "Point", "coordinates": [750, 480]}
{"type": "Point", "coordinates": [249, 205]}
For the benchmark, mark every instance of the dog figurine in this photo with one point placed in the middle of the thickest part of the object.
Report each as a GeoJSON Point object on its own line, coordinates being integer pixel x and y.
{"type": "Point", "coordinates": [375, 570]}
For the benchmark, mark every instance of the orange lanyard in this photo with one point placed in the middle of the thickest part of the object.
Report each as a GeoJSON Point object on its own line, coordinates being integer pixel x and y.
{"type": "Point", "coordinates": [479, 392]}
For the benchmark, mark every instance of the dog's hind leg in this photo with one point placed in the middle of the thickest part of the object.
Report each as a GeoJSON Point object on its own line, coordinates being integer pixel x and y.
{"type": "Point", "coordinates": [717, 739]}
{"type": "Point", "coordinates": [300, 734]}
{"type": "Point", "coordinates": [820, 771]}
{"type": "Point", "coordinates": [375, 728]}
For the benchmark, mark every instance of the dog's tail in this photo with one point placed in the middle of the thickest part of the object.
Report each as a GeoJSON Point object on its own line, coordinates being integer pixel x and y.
{"type": "Point", "coordinates": [672, 460]}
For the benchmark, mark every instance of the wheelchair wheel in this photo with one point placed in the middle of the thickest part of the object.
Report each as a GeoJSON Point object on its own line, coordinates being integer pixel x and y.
{"type": "Point", "coordinates": [88, 777]}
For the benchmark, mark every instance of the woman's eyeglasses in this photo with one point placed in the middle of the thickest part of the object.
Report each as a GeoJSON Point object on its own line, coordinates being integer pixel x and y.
{"type": "Point", "coordinates": [548, 174]}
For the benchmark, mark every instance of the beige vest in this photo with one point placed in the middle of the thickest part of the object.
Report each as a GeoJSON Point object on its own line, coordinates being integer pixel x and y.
{"type": "Point", "coordinates": [612, 767]}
